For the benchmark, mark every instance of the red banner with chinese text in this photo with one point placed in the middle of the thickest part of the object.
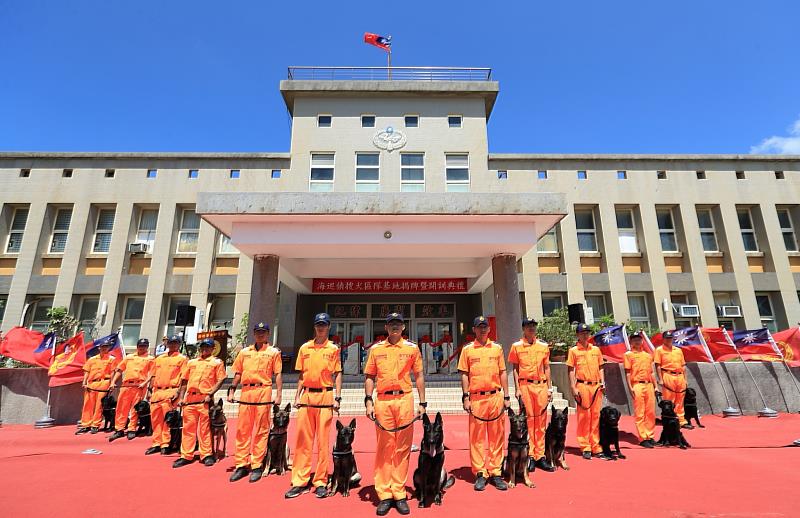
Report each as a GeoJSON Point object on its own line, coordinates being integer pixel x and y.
{"type": "Point", "coordinates": [389, 286]}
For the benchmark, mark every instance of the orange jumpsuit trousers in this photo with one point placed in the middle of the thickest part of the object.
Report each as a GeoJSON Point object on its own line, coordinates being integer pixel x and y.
{"type": "Point", "coordinates": [644, 409]}
{"type": "Point", "coordinates": [252, 428]}
{"type": "Point", "coordinates": [92, 412]}
{"type": "Point", "coordinates": [588, 410]}
{"type": "Point", "coordinates": [196, 428]}
{"type": "Point", "coordinates": [486, 407]}
{"type": "Point", "coordinates": [129, 395]}
{"type": "Point", "coordinates": [675, 391]}
{"type": "Point", "coordinates": [393, 448]}
{"type": "Point", "coordinates": [535, 399]}
{"type": "Point", "coordinates": [160, 404]}
{"type": "Point", "coordinates": [311, 423]}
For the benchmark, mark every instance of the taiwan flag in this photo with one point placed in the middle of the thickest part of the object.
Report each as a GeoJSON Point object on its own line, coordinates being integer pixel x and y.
{"type": "Point", "coordinates": [613, 343]}
{"type": "Point", "coordinates": [755, 345]}
{"type": "Point", "coordinates": [46, 350]}
{"type": "Point", "coordinates": [788, 341]}
{"type": "Point", "coordinates": [690, 341]}
{"type": "Point", "coordinates": [382, 42]}
{"type": "Point", "coordinates": [22, 345]}
{"type": "Point", "coordinates": [115, 350]}
{"type": "Point", "coordinates": [719, 345]}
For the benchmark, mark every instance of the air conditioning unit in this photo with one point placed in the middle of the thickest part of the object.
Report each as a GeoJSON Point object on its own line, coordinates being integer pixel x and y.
{"type": "Point", "coordinates": [729, 311]}
{"type": "Point", "coordinates": [137, 248]}
{"type": "Point", "coordinates": [689, 311]}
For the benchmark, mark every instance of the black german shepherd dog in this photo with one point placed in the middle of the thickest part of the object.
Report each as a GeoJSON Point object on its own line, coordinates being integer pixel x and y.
{"type": "Point", "coordinates": [555, 438]}
{"type": "Point", "coordinates": [515, 463]}
{"type": "Point", "coordinates": [609, 433]}
{"type": "Point", "coordinates": [345, 473]}
{"type": "Point", "coordinates": [109, 404]}
{"type": "Point", "coordinates": [144, 426]}
{"type": "Point", "coordinates": [430, 477]}
{"type": "Point", "coordinates": [174, 420]}
{"type": "Point", "coordinates": [277, 459]}
{"type": "Point", "coordinates": [671, 427]}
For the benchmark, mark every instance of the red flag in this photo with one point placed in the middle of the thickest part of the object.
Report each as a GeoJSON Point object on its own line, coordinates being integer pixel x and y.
{"type": "Point", "coordinates": [788, 341]}
{"type": "Point", "coordinates": [67, 367]}
{"type": "Point", "coordinates": [21, 343]}
{"type": "Point", "coordinates": [719, 346]}
{"type": "Point", "coordinates": [381, 42]}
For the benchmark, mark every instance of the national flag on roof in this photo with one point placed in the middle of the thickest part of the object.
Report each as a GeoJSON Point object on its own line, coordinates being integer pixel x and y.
{"type": "Point", "coordinates": [755, 345]}
{"type": "Point", "coordinates": [21, 344]}
{"type": "Point", "coordinates": [613, 343]}
{"type": "Point", "coordinates": [115, 350]}
{"type": "Point", "coordinates": [718, 344]}
{"type": "Point", "coordinates": [382, 42]}
{"type": "Point", "coordinates": [788, 342]}
{"type": "Point", "coordinates": [690, 341]}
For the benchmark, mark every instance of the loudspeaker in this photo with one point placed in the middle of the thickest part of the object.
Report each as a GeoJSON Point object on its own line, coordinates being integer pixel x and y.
{"type": "Point", "coordinates": [185, 316]}
{"type": "Point", "coordinates": [575, 313]}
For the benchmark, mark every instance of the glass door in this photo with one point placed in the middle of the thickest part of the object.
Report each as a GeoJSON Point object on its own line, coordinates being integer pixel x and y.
{"type": "Point", "coordinates": [350, 337]}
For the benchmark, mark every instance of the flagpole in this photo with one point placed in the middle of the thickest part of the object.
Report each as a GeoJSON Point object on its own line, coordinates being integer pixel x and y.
{"type": "Point", "coordinates": [730, 411]}
{"type": "Point", "coordinates": [783, 360]}
{"type": "Point", "coordinates": [389, 63]}
{"type": "Point", "coordinates": [47, 421]}
{"type": "Point", "coordinates": [766, 411]}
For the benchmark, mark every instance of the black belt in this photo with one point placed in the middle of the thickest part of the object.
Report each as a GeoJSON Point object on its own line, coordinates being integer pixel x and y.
{"type": "Point", "coordinates": [97, 390]}
{"type": "Point", "coordinates": [323, 389]}
{"type": "Point", "coordinates": [676, 373]}
{"type": "Point", "coordinates": [392, 393]}
{"type": "Point", "coordinates": [253, 385]}
{"type": "Point", "coordinates": [130, 383]}
{"type": "Point", "coordinates": [643, 382]}
{"type": "Point", "coordinates": [166, 387]}
{"type": "Point", "coordinates": [486, 392]}
{"type": "Point", "coordinates": [529, 380]}
{"type": "Point", "coordinates": [589, 382]}
{"type": "Point", "coordinates": [257, 403]}
{"type": "Point", "coordinates": [99, 379]}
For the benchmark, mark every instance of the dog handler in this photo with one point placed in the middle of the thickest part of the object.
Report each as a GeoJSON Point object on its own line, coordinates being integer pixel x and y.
{"type": "Point", "coordinates": [319, 392]}
{"type": "Point", "coordinates": [201, 379]}
{"type": "Point", "coordinates": [641, 382]}
{"type": "Point", "coordinates": [254, 367]}
{"type": "Point", "coordinates": [671, 373]}
{"type": "Point", "coordinates": [135, 371]}
{"type": "Point", "coordinates": [531, 360]}
{"type": "Point", "coordinates": [168, 370]}
{"type": "Point", "coordinates": [97, 372]}
{"type": "Point", "coordinates": [585, 363]}
{"type": "Point", "coordinates": [388, 370]}
{"type": "Point", "coordinates": [483, 375]}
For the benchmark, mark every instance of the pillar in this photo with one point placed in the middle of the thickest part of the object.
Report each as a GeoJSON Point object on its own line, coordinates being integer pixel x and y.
{"type": "Point", "coordinates": [263, 293]}
{"type": "Point", "coordinates": [506, 299]}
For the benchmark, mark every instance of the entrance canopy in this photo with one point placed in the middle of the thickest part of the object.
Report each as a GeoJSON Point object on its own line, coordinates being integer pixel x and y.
{"type": "Point", "coordinates": [383, 235]}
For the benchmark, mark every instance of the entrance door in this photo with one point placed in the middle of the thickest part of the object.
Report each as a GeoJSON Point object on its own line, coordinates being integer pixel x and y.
{"type": "Point", "coordinates": [435, 339]}
{"type": "Point", "coordinates": [350, 336]}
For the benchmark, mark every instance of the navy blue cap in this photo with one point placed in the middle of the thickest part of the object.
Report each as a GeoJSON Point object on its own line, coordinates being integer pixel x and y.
{"type": "Point", "coordinates": [261, 326]}
{"type": "Point", "coordinates": [174, 338]}
{"type": "Point", "coordinates": [206, 342]}
{"type": "Point", "coordinates": [480, 321]}
{"type": "Point", "coordinates": [667, 334]}
{"type": "Point", "coordinates": [322, 318]}
{"type": "Point", "coordinates": [143, 341]}
{"type": "Point", "coordinates": [529, 321]}
{"type": "Point", "coordinates": [636, 334]}
{"type": "Point", "coordinates": [581, 328]}
{"type": "Point", "coordinates": [394, 316]}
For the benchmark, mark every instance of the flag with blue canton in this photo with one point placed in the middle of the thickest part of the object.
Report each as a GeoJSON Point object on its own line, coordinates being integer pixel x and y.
{"type": "Point", "coordinates": [755, 344]}
{"type": "Point", "coordinates": [613, 343]}
{"type": "Point", "coordinates": [690, 341]}
{"type": "Point", "coordinates": [116, 346]}
{"type": "Point", "coordinates": [44, 353]}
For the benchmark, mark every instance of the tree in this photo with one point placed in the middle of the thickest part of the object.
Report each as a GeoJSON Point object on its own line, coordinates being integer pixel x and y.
{"type": "Point", "coordinates": [61, 323]}
{"type": "Point", "coordinates": [556, 330]}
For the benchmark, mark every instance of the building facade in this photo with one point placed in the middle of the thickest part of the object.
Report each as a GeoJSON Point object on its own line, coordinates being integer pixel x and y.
{"type": "Point", "coordinates": [122, 239]}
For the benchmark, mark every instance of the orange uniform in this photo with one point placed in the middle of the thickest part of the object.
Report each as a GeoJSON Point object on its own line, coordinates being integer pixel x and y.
{"type": "Point", "coordinates": [673, 376]}
{"type": "Point", "coordinates": [588, 364]}
{"type": "Point", "coordinates": [318, 363]}
{"type": "Point", "coordinates": [391, 365]}
{"type": "Point", "coordinates": [201, 375]}
{"type": "Point", "coordinates": [256, 368]}
{"type": "Point", "coordinates": [484, 364]}
{"type": "Point", "coordinates": [168, 371]}
{"type": "Point", "coordinates": [99, 370]}
{"type": "Point", "coordinates": [135, 371]}
{"type": "Point", "coordinates": [533, 360]}
{"type": "Point", "coordinates": [639, 365]}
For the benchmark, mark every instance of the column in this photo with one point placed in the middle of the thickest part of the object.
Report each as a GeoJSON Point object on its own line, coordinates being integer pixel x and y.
{"type": "Point", "coordinates": [532, 284]}
{"type": "Point", "coordinates": [741, 269]}
{"type": "Point", "coordinates": [654, 255]}
{"type": "Point", "coordinates": [506, 299]}
{"type": "Point", "coordinates": [264, 292]}
{"type": "Point", "coordinates": [697, 263]}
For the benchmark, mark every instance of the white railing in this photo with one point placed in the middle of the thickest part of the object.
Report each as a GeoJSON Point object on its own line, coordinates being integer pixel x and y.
{"type": "Point", "coordinates": [390, 73]}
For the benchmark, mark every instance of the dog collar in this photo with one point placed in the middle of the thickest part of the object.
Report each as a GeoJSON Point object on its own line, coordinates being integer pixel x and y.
{"type": "Point", "coordinates": [342, 453]}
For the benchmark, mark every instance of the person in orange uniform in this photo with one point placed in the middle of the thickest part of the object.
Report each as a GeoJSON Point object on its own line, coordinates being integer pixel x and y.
{"type": "Point", "coordinates": [531, 361]}
{"type": "Point", "coordinates": [671, 372]}
{"type": "Point", "coordinates": [641, 382]}
{"type": "Point", "coordinates": [97, 373]}
{"type": "Point", "coordinates": [585, 364]}
{"type": "Point", "coordinates": [318, 395]}
{"type": "Point", "coordinates": [201, 380]}
{"type": "Point", "coordinates": [254, 368]}
{"type": "Point", "coordinates": [168, 370]}
{"type": "Point", "coordinates": [135, 372]}
{"type": "Point", "coordinates": [483, 375]}
{"type": "Point", "coordinates": [388, 371]}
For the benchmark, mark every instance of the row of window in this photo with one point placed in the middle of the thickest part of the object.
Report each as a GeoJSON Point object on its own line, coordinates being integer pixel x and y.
{"type": "Point", "coordinates": [542, 174]}
{"type": "Point", "coordinates": [369, 121]}
{"type": "Point", "coordinates": [628, 237]}
{"type": "Point", "coordinates": [153, 173]}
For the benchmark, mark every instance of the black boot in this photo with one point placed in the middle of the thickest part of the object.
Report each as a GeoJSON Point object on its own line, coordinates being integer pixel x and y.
{"type": "Point", "coordinates": [82, 430]}
{"type": "Point", "coordinates": [181, 463]}
{"type": "Point", "coordinates": [239, 473]}
{"type": "Point", "coordinates": [544, 465]}
{"type": "Point", "coordinates": [131, 436]}
{"type": "Point", "coordinates": [152, 450]}
{"type": "Point", "coordinates": [116, 435]}
{"type": "Point", "coordinates": [209, 461]}
{"type": "Point", "coordinates": [384, 506]}
{"type": "Point", "coordinates": [402, 506]}
{"type": "Point", "coordinates": [480, 482]}
{"type": "Point", "coordinates": [295, 491]}
{"type": "Point", "coordinates": [499, 483]}
{"type": "Point", "coordinates": [531, 464]}
{"type": "Point", "coordinates": [256, 474]}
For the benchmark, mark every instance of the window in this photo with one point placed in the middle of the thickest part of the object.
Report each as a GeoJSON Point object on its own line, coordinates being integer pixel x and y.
{"type": "Point", "coordinates": [152, 173]}
{"type": "Point", "coordinates": [766, 313]}
{"type": "Point", "coordinates": [18, 223]}
{"type": "Point", "coordinates": [235, 173]}
{"type": "Point", "coordinates": [542, 175]}
{"type": "Point", "coordinates": [502, 175]}
{"type": "Point", "coordinates": [321, 172]}
{"type": "Point", "coordinates": [627, 232]}
{"type": "Point", "coordinates": [132, 320]}
{"type": "Point", "coordinates": [550, 303]}
{"type": "Point", "coordinates": [779, 175]}
{"type": "Point", "coordinates": [102, 234]}
{"type": "Point", "coordinates": [598, 304]}
{"type": "Point", "coordinates": [412, 172]}
{"type": "Point", "coordinates": [411, 121]}
{"type": "Point", "coordinates": [548, 242]}
{"type": "Point", "coordinates": [368, 174]}
{"type": "Point", "coordinates": [666, 230]}
{"type": "Point", "coordinates": [661, 175]}
{"type": "Point", "coordinates": [88, 315]}
{"type": "Point", "coordinates": [740, 175]}
{"type": "Point", "coordinates": [66, 173]}
{"type": "Point", "coordinates": [225, 246]}
{"type": "Point", "coordinates": [701, 175]}
{"type": "Point", "coordinates": [24, 173]}
{"type": "Point", "coordinates": [457, 172]}
{"type": "Point", "coordinates": [707, 233]}
{"type": "Point", "coordinates": [582, 175]}
{"type": "Point", "coordinates": [110, 173]}
{"type": "Point", "coordinates": [622, 175]}
{"type": "Point", "coordinates": [637, 304]}
{"type": "Point", "coordinates": [454, 121]}
{"type": "Point", "coordinates": [38, 310]}
{"type": "Point", "coordinates": [748, 232]}
{"type": "Point", "coordinates": [146, 232]}
{"type": "Point", "coordinates": [587, 236]}
{"type": "Point", "coordinates": [275, 174]}
{"type": "Point", "coordinates": [367, 121]}
{"type": "Point", "coordinates": [194, 173]}
{"type": "Point", "coordinates": [324, 121]}
{"type": "Point", "coordinates": [172, 312]}
{"type": "Point", "coordinates": [222, 313]}
{"type": "Point", "coordinates": [787, 229]}
{"type": "Point", "coordinates": [3, 301]}
{"type": "Point", "coordinates": [58, 241]}
{"type": "Point", "coordinates": [189, 232]}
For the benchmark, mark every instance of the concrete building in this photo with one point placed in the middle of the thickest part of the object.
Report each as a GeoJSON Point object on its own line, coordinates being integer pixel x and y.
{"type": "Point", "coordinates": [390, 199]}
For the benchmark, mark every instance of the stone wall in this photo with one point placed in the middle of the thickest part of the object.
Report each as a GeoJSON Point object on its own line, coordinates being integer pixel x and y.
{"type": "Point", "coordinates": [23, 398]}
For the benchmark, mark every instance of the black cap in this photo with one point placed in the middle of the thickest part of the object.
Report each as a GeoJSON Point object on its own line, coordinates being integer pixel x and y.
{"type": "Point", "coordinates": [394, 316]}
{"type": "Point", "coordinates": [529, 321]}
{"type": "Point", "coordinates": [581, 328]}
{"type": "Point", "coordinates": [480, 321]}
{"type": "Point", "coordinates": [322, 318]}
{"type": "Point", "coordinates": [636, 334]}
{"type": "Point", "coordinates": [174, 338]}
{"type": "Point", "coordinates": [667, 334]}
{"type": "Point", "coordinates": [206, 342]}
{"type": "Point", "coordinates": [261, 326]}
{"type": "Point", "coordinates": [143, 341]}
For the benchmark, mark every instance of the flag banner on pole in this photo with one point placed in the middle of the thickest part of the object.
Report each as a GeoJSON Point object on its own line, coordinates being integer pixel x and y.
{"type": "Point", "coordinates": [788, 341]}
{"type": "Point", "coordinates": [648, 344]}
{"type": "Point", "coordinates": [718, 344]}
{"type": "Point", "coordinates": [613, 343]}
{"type": "Point", "coordinates": [45, 352]}
{"type": "Point", "coordinates": [67, 367]}
{"type": "Point", "coordinates": [690, 341]}
{"type": "Point", "coordinates": [755, 345]}
{"type": "Point", "coordinates": [116, 346]}
{"type": "Point", "coordinates": [21, 344]}
{"type": "Point", "coordinates": [382, 42]}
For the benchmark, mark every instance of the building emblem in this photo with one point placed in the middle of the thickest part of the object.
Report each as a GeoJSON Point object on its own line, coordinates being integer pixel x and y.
{"type": "Point", "coordinates": [389, 139]}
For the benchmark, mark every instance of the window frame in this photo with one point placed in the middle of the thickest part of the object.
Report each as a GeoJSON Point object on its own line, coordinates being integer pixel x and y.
{"type": "Point", "coordinates": [667, 231]}
{"type": "Point", "coordinates": [12, 231]}
{"type": "Point", "coordinates": [182, 230]}
{"type": "Point", "coordinates": [368, 185]}
{"type": "Point", "coordinates": [712, 230]}
{"type": "Point", "coordinates": [451, 120]}
{"type": "Point", "coordinates": [767, 321]}
{"type": "Point", "coordinates": [582, 174]}
{"type": "Point", "coordinates": [39, 325]}
{"type": "Point", "coordinates": [541, 174]}
{"type": "Point", "coordinates": [547, 236]}
{"type": "Point", "coordinates": [646, 318]}
{"type": "Point", "coordinates": [740, 211]}
{"type": "Point", "coordinates": [552, 296]}
{"type": "Point", "coordinates": [170, 318]}
{"type": "Point", "coordinates": [98, 231]}
{"type": "Point", "coordinates": [234, 174]}
{"type": "Point", "coordinates": [221, 249]}
{"type": "Point", "coordinates": [328, 184]}
{"type": "Point", "coordinates": [330, 120]}
{"type": "Point", "coordinates": [787, 231]}
{"type": "Point", "coordinates": [88, 324]}
{"type": "Point", "coordinates": [592, 231]}
{"type": "Point", "coordinates": [622, 175]}
{"type": "Point", "coordinates": [194, 174]}
{"type": "Point", "coordinates": [151, 173]}
{"type": "Point", "coordinates": [131, 322]}
{"type": "Point", "coordinates": [55, 231]}
{"type": "Point", "coordinates": [456, 184]}
{"type": "Point", "coordinates": [374, 120]}
{"type": "Point", "coordinates": [627, 232]}
{"type": "Point", "coordinates": [406, 117]}
{"type": "Point", "coordinates": [139, 229]}
{"type": "Point", "coordinates": [602, 297]}
{"type": "Point", "coordinates": [275, 174]}
{"type": "Point", "coordinates": [412, 183]}
{"type": "Point", "coordinates": [214, 321]}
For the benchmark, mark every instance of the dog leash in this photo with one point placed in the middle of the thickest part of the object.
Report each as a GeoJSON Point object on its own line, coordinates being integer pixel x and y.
{"type": "Point", "coordinates": [392, 430]}
{"type": "Point", "coordinates": [674, 391]}
{"type": "Point", "coordinates": [98, 390]}
{"type": "Point", "coordinates": [252, 404]}
{"type": "Point", "coordinates": [495, 418]}
{"type": "Point", "coordinates": [307, 405]}
{"type": "Point", "coordinates": [594, 397]}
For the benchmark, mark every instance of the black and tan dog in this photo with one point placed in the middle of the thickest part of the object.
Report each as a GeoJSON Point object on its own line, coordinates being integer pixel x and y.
{"type": "Point", "coordinates": [277, 458]}
{"type": "Point", "coordinates": [690, 407]}
{"type": "Point", "coordinates": [609, 433]}
{"type": "Point", "coordinates": [174, 420]}
{"type": "Point", "coordinates": [555, 438]}
{"type": "Point", "coordinates": [109, 405]}
{"type": "Point", "coordinates": [345, 473]}
{"type": "Point", "coordinates": [144, 426]}
{"type": "Point", "coordinates": [515, 463]}
{"type": "Point", "coordinates": [430, 477]}
{"type": "Point", "coordinates": [671, 434]}
{"type": "Point", "coordinates": [219, 430]}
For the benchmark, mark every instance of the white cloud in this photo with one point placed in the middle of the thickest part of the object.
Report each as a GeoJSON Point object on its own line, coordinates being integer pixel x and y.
{"type": "Point", "coordinates": [781, 145]}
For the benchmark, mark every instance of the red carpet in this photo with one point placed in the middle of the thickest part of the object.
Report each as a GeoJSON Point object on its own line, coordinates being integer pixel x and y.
{"type": "Point", "coordinates": [737, 467]}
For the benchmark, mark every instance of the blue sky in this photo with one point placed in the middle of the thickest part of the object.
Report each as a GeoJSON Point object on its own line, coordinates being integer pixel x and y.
{"type": "Point", "coordinates": [575, 77]}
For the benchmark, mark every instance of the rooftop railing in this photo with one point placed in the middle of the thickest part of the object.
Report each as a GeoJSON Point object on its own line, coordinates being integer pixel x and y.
{"type": "Point", "coordinates": [390, 74]}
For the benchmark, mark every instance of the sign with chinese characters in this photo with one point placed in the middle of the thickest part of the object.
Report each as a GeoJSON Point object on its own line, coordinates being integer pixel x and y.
{"type": "Point", "coordinates": [381, 310]}
{"type": "Point", "coordinates": [347, 310]}
{"type": "Point", "coordinates": [389, 286]}
{"type": "Point", "coordinates": [434, 310]}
